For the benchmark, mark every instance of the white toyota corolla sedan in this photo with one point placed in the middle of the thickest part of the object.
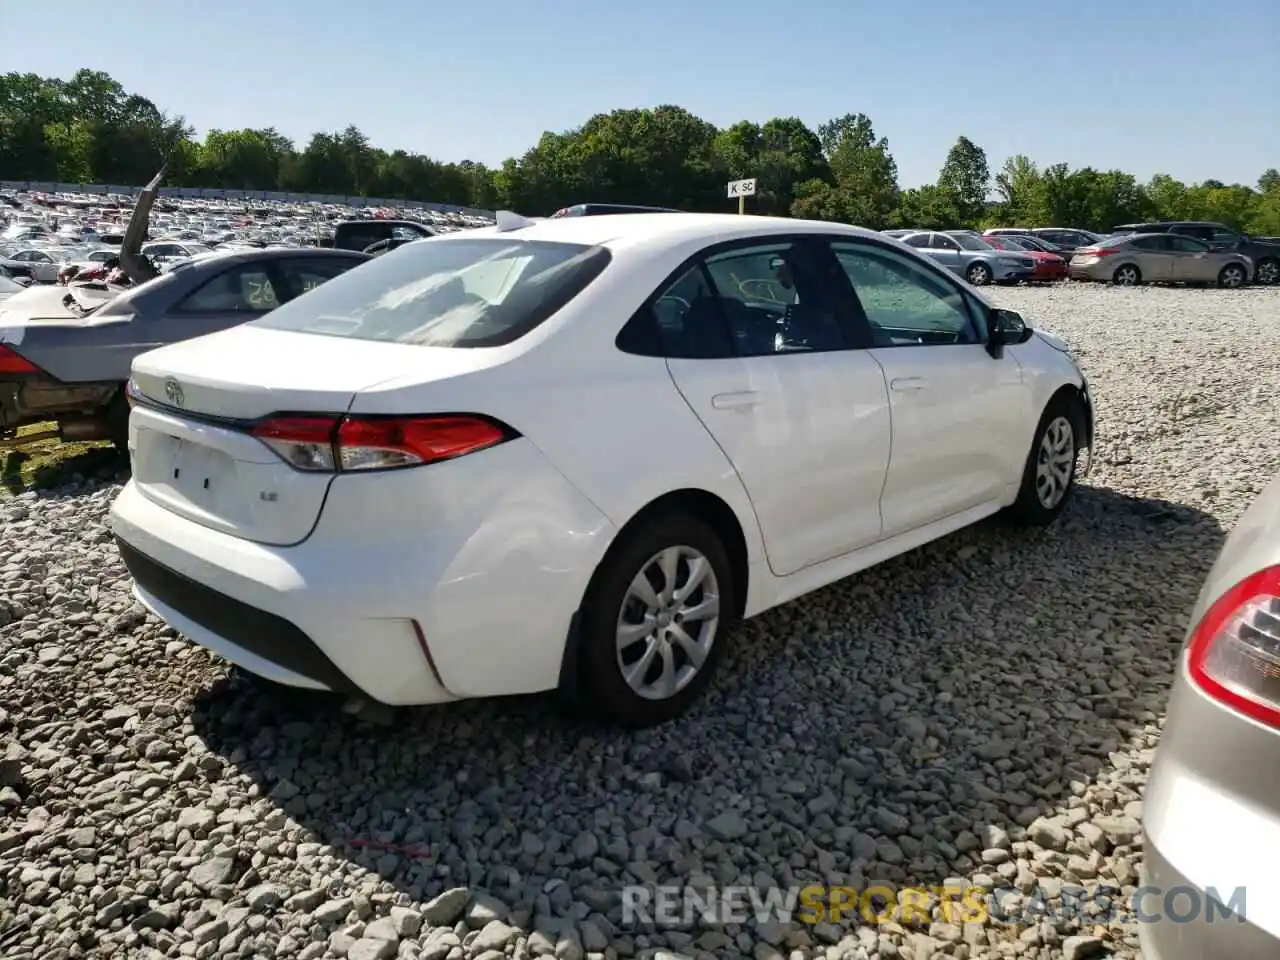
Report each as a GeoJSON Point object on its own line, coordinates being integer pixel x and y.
{"type": "Point", "coordinates": [570, 454]}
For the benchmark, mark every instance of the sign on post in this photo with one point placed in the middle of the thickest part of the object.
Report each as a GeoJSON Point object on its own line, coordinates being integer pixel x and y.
{"type": "Point", "coordinates": [742, 189]}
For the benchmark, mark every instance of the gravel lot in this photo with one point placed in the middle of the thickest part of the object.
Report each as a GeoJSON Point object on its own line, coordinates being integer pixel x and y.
{"type": "Point", "coordinates": [984, 708]}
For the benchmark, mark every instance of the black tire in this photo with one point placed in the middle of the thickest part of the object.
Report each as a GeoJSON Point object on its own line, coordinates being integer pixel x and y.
{"type": "Point", "coordinates": [1233, 275]}
{"type": "Point", "coordinates": [1031, 509]}
{"type": "Point", "coordinates": [601, 683]}
{"type": "Point", "coordinates": [978, 274]}
{"type": "Point", "coordinates": [1267, 272]}
{"type": "Point", "coordinates": [1127, 275]}
{"type": "Point", "coordinates": [117, 414]}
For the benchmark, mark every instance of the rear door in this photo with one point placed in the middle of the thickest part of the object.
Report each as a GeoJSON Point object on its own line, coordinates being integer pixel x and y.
{"type": "Point", "coordinates": [1153, 256]}
{"type": "Point", "coordinates": [759, 345]}
{"type": "Point", "coordinates": [947, 252]}
{"type": "Point", "coordinates": [958, 414]}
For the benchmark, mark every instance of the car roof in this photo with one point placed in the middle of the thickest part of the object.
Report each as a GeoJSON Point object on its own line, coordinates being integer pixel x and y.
{"type": "Point", "coordinates": [628, 229]}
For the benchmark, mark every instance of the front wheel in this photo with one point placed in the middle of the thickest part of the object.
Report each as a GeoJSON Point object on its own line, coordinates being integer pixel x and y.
{"type": "Point", "coordinates": [1232, 275]}
{"type": "Point", "coordinates": [653, 621]}
{"type": "Point", "coordinates": [1268, 272]}
{"type": "Point", "coordinates": [1049, 474]}
{"type": "Point", "coordinates": [978, 274]}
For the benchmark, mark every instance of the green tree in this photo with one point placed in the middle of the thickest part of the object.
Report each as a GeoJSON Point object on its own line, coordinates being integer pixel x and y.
{"type": "Point", "coordinates": [864, 186]}
{"type": "Point", "coordinates": [89, 128]}
{"type": "Point", "coordinates": [966, 177]}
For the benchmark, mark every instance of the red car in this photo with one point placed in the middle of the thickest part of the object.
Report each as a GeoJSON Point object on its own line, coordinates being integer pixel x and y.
{"type": "Point", "coordinates": [1049, 266]}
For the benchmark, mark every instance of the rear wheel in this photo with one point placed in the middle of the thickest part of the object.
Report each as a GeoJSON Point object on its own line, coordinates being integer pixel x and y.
{"type": "Point", "coordinates": [653, 621]}
{"type": "Point", "coordinates": [1268, 272]}
{"type": "Point", "coordinates": [978, 274]}
{"type": "Point", "coordinates": [1127, 276]}
{"type": "Point", "coordinates": [1232, 275]}
{"type": "Point", "coordinates": [1048, 477]}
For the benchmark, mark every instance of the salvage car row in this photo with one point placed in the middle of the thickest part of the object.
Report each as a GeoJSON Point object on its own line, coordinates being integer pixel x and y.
{"type": "Point", "coordinates": [1190, 252]}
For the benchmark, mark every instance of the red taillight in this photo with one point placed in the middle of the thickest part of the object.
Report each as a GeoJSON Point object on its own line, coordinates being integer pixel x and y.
{"type": "Point", "coordinates": [13, 362]}
{"type": "Point", "coordinates": [1234, 654]}
{"type": "Point", "coordinates": [1095, 251]}
{"type": "Point", "coordinates": [375, 443]}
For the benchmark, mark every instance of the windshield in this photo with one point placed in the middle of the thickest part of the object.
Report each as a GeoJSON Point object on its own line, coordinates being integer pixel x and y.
{"type": "Point", "coordinates": [481, 292]}
{"type": "Point", "coordinates": [969, 242]}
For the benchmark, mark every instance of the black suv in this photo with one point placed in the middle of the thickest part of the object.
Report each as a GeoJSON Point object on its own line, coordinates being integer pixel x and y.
{"type": "Point", "coordinates": [1265, 253]}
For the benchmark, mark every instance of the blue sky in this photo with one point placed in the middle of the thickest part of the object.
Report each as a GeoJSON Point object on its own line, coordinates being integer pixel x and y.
{"type": "Point", "coordinates": [1186, 87]}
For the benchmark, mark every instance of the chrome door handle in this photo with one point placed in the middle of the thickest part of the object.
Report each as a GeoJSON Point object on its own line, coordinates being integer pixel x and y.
{"type": "Point", "coordinates": [903, 384]}
{"type": "Point", "coordinates": [735, 401]}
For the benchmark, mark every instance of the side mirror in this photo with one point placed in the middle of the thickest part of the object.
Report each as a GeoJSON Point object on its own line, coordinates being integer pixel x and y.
{"type": "Point", "coordinates": [1006, 328]}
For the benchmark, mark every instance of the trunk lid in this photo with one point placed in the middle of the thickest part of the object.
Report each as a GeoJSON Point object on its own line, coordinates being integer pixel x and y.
{"type": "Point", "coordinates": [191, 448]}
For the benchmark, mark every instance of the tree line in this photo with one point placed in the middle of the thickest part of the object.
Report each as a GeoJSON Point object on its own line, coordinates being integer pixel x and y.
{"type": "Point", "coordinates": [89, 129]}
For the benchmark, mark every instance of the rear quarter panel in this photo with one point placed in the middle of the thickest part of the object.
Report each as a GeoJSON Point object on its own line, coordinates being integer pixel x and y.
{"type": "Point", "coordinates": [612, 423]}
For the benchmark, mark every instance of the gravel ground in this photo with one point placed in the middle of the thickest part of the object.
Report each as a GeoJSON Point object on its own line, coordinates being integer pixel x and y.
{"type": "Point", "coordinates": [983, 710]}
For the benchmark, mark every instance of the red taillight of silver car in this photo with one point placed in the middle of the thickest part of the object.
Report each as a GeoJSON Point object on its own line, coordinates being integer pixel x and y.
{"type": "Point", "coordinates": [327, 444]}
{"type": "Point", "coordinates": [1234, 653]}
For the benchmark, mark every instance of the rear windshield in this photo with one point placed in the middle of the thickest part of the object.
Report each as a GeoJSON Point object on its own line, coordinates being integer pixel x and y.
{"type": "Point", "coordinates": [476, 292]}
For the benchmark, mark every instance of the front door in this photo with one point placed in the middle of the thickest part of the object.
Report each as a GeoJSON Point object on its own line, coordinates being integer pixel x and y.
{"type": "Point", "coordinates": [959, 414]}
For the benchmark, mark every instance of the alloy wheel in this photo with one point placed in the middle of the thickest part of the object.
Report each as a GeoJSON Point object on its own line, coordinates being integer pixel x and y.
{"type": "Point", "coordinates": [1054, 462]}
{"type": "Point", "coordinates": [668, 622]}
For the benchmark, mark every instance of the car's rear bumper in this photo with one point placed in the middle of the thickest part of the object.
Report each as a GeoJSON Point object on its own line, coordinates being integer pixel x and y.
{"type": "Point", "coordinates": [1177, 922]}
{"type": "Point", "coordinates": [417, 586]}
{"type": "Point", "coordinates": [1211, 829]}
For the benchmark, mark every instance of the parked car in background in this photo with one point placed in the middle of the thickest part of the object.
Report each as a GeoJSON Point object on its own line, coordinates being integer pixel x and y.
{"type": "Point", "coordinates": [9, 287]}
{"type": "Point", "coordinates": [93, 266]}
{"type": "Point", "coordinates": [1218, 761]}
{"type": "Point", "coordinates": [40, 264]}
{"type": "Point", "coordinates": [1032, 242]}
{"type": "Point", "coordinates": [970, 257]}
{"type": "Point", "coordinates": [1264, 253]}
{"type": "Point", "coordinates": [358, 235]}
{"type": "Point", "coordinates": [329, 495]}
{"type": "Point", "coordinates": [1049, 266]}
{"type": "Point", "coordinates": [56, 367]}
{"type": "Point", "coordinates": [1068, 239]}
{"type": "Point", "coordinates": [1130, 259]}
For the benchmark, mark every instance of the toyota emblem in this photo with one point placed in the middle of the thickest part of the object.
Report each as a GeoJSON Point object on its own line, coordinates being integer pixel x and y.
{"type": "Point", "coordinates": [173, 392]}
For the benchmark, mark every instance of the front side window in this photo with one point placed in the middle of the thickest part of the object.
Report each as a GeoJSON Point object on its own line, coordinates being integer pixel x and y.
{"type": "Point", "coordinates": [904, 303]}
{"type": "Point", "coordinates": [774, 300]}
{"type": "Point", "coordinates": [1222, 237]}
{"type": "Point", "coordinates": [243, 289]}
{"type": "Point", "coordinates": [1186, 244]}
{"type": "Point", "coordinates": [468, 292]}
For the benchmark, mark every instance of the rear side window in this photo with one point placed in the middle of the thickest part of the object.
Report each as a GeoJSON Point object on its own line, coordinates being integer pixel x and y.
{"type": "Point", "coordinates": [482, 292]}
{"type": "Point", "coordinates": [304, 274]}
{"type": "Point", "coordinates": [242, 289]}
